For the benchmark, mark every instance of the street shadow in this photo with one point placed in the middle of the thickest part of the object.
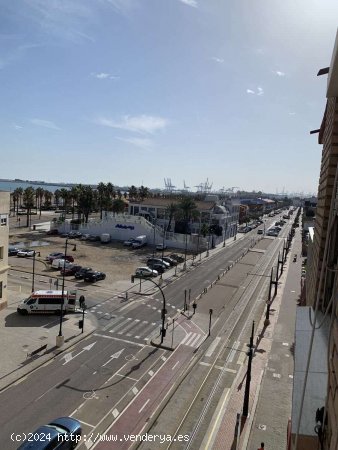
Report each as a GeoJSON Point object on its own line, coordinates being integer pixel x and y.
{"type": "Point", "coordinates": [119, 380]}
{"type": "Point", "coordinates": [32, 321]}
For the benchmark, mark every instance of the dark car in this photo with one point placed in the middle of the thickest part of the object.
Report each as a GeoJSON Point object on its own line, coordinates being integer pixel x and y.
{"type": "Point", "coordinates": [157, 266]}
{"type": "Point", "coordinates": [82, 272]}
{"type": "Point", "coordinates": [60, 434]}
{"type": "Point", "coordinates": [177, 258]}
{"type": "Point", "coordinates": [54, 255]}
{"type": "Point", "coordinates": [169, 260]}
{"type": "Point", "coordinates": [53, 232]}
{"type": "Point", "coordinates": [94, 276]}
{"type": "Point", "coordinates": [165, 265]}
{"type": "Point", "coordinates": [71, 269]}
{"type": "Point", "coordinates": [12, 251]}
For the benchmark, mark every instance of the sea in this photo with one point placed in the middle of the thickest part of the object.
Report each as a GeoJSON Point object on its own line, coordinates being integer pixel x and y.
{"type": "Point", "coordinates": [11, 185]}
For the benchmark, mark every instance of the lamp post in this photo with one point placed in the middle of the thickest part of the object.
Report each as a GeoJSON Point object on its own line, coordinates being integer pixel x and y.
{"type": "Point", "coordinates": [163, 312]}
{"type": "Point", "coordinates": [33, 273]}
{"type": "Point", "coordinates": [154, 238]}
{"type": "Point", "coordinates": [60, 337]}
{"type": "Point", "coordinates": [225, 233]}
{"type": "Point", "coordinates": [210, 314]}
{"type": "Point", "coordinates": [248, 375]}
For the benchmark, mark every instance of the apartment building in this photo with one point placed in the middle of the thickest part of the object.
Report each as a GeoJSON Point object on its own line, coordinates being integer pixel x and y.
{"type": "Point", "coordinates": [315, 394]}
{"type": "Point", "coordinates": [4, 233]}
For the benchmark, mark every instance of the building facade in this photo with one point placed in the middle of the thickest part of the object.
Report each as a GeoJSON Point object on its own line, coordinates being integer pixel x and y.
{"type": "Point", "coordinates": [322, 287]}
{"type": "Point", "coordinates": [4, 234]}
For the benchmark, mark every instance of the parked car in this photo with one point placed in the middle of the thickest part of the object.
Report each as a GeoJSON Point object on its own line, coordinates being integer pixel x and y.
{"type": "Point", "coordinates": [129, 242]}
{"type": "Point", "coordinates": [23, 253]}
{"type": "Point", "coordinates": [12, 251]}
{"type": "Point", "coordinates": [82, 272]}
{"type": "Point", "coordinates": [260, 231]}
{"type": "Point", "coordinates": [177, 258]}
{"type": "Point", "coordinates": [53, 232]}
{"type": "Point", "coordinates": [94, 276]}
{"type": "Point", "coordinates": [161, 247]}
{"type": "Point", "coordinates": [70, 269]}
{"type": "Point", "coordinates": [157, 266]}
{"type": "Point", "coordinates": [60, 263]}
{"type": "Point", "coordinates": [144, 272]}
{"type": "Point", "coordinates": [85, 237]}
{"type": "Point", "coordinates": [72, 235]}
{"type": "Point", "coordinates": [54, 255]}
{"type": "Point", "coordinates": [94, 237]}
{"type": "Point", "coordinates": [62, 433]}
{"type": "Point", "coordinates": [169, 260]}
{"type": "Point", "coordinates": [158, 261]}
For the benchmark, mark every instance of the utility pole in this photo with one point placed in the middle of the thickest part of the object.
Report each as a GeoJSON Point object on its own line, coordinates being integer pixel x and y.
{"type": "Point", "coordinates": [248, 375]}
{"type": "Point", "coordinates": [210, 314]}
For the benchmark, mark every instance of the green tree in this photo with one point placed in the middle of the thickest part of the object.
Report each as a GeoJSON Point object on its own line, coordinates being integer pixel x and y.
{"type": "Point", "coordinates": [74, 194]}
{"type": "Point", "coordinates": [28, 201]}
{"type": "Point", "coordinates": [171, 210]}
{"type": "Point", "coordinates": [65, 195]}
{"type": "Point", "coordinates": [39, 194]}
{"type": "Point", "coordinates": [48, 198]}
{"type": "Point", "coordinates": [187, 210]}
{"type": "Point", "coordinates": [57, 195]}
{"type": "Point", "coordinates": [118, 206]}
{"type": "Point", "coordinates": [143, 192]}
{"type": "Point", "coordinates": [102, 194]}
{"type": "Point", "coordinates": [16, 199]}
{"type": "Point", "coordinates": [86, 201]}
{"type": "Point", "coordinates": [133, 192]}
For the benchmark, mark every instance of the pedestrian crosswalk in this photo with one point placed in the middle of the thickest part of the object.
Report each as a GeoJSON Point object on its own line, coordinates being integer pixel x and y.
{"type": "Point", "coordinates": [130, 327]}
{"type": "Point", "coordinates": [193, 339]}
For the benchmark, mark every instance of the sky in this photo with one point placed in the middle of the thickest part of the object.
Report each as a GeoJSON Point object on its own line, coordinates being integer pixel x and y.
{"type": "Point", "coordinates": [135, 91]}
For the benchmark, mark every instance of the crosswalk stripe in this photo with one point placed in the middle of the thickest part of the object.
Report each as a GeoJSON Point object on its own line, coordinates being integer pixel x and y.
{"type": "Point", "coordinates": [197, 341]}
{"type": "Point", "coordinates": [189, 341]}
{"type": "Point", "coordinates": [115, 320]}
{"type": "Point", "coordinates": [145, 330]}
{"type": "Point", "coordinates": [120, 325]}
{"type": "Point", "coordinates": [130, 325]}
{"type": "Point", "coordinates": [186, 337]}
{"type": "Point", "coordinates": [139, 325]}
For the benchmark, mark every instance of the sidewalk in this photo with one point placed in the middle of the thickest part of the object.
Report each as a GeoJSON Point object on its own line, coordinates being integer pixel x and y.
{"type": "Point", "coordinates": [22, 335]}
{"type": "Point", "coordinates": [271, 377]}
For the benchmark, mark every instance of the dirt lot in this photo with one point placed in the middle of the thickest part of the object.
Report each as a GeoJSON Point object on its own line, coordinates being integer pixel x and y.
{"type": "Point", "coordinates": [117, 261]}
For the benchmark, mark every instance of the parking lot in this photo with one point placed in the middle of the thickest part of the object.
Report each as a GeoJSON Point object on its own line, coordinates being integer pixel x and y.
{"type": "Point", "coordinates": [116, 260]}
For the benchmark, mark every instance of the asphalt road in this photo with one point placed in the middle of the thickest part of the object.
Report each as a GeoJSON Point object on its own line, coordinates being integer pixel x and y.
{"type": "Point", "coordinates": [97, 379]}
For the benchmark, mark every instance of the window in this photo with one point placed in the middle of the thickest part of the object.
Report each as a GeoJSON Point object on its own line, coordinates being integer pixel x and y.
{"type": "Point", "coordinates": [0, 289]}
{"type": "Point", "coordinates": [3, 220]}
{"type": "Point", "coordinates": [31, 301]}
{"type": "Point", "coordinates": [1, 253]}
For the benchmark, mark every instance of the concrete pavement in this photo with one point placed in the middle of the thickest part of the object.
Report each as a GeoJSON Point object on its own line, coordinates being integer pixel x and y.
{"type": "Point", "coordinates": [22, 335]}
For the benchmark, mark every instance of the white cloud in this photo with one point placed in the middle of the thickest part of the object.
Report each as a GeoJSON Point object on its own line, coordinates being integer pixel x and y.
{"type": "Point", "coordinates": [279, 73]}
{"type": "Point", "coordinates": [259, 91]}
{"type": "Point", "coordinates": [292, 113]}
{"type": "Point", "coordinates": [143, 143]}
{"type": "Point", "coordinates": [45, 124]}
{"type": "Point", "coordinates": [104, 75]}
{"type": "Point", "coordinates": [218, 60]}
{"type": "Point", "coordinates": [137, 124]}
{"type": "Point", "coordinates": [192, 3]}
{"type": "Point", "coordinates": [17, 127]}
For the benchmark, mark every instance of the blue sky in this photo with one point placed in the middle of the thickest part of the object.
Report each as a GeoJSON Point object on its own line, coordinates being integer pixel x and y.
{"type": "Point", "coordinates": [135, 91]}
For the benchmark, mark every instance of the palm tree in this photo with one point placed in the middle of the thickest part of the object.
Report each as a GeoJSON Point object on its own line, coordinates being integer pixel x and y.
{"type": "Point", "coordinates": [143, 192]}
{"type": "Point", "coordinates": [28, 201]}
{"type": "Point", "coordinates": [39, 193]}
{"type": "Point", "coordinates": [171, 210]}
{"type": "Point", "coordinates": [48, 198]}
{"type": "Point", "coordinates": [57, 194]}
{"type": "Point", "coordinates": [188, 209]}
{"type": "Point", "coordinates": [65, 195]}
{"type": "Point", "coordinates": [74, 194]}
{"type": "Point", "coordinates": [19, 192]}
{"type": "Point", "coordinates": [133, 193]}
{"type": "Point", "coordinates": [85, 201]}
{"type": "Point", "coordinates": [16, 198]}
{"type": "Point", "coordinates": [102, 192]}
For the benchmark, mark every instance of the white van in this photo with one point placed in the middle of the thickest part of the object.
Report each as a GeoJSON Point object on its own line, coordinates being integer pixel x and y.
{"type": "Point", "coordinates": [139, 241]}
{"type": "Point", "coordinates": [48, 302]}
{"type": "Point", "coordinates": [59, 263]}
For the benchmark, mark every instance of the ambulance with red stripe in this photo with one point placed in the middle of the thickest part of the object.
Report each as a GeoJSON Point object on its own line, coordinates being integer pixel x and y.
{"type": "Point", "coordinates": [48, 302]}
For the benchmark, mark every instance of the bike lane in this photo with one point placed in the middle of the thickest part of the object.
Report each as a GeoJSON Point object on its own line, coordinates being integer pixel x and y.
{"type": "Point", "coordinates": [136, 415]}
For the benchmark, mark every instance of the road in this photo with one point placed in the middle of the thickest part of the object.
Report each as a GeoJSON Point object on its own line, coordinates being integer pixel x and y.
{"type": "Point", "coordinates": [102, 376]}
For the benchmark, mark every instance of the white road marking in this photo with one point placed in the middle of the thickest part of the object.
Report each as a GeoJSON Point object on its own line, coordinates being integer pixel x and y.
{"type": "Point", "coordinates": [115, 413]}
{"type": "Point", "coordinates": [212, 347]}
{"type": "Point", "coordinates": [146, 403]}
{"type": "Point", "coordinates": [114, 356]}
{"type": "Point", "coordinates": [134, 390]}
{"type": "Point", "coordinates": [186, 337]}
{"type": "Point", "coordinates": [174, 365]}
{"type": "Point", "coordinates": [233, 351]}
{"type": "Point", "coordinates": [151, 373]}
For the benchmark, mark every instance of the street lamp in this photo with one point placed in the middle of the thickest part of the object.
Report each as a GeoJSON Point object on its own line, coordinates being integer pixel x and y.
{"type": "Point", "coordinates": [63, 290]}
{"type": "Point", "coordinates": [163, 312]}
{"type": "Point", "coordinates": [33, 273]}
